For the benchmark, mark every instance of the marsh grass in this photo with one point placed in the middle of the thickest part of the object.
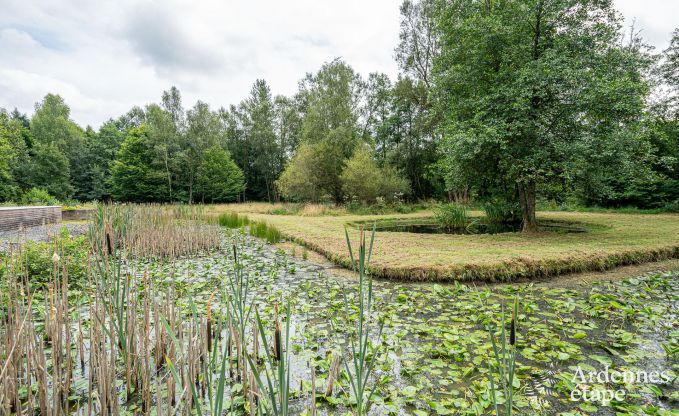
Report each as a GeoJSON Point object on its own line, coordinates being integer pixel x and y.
{"type": "Point", "coordinates": [259, 229]}
{"type": "Point", "coordinates": [501, 212]}
{"type": "Point", "coordinates": [451, 215]}
{"type": "Point", "coordinates": [232, 220]}
{"type": "Point", "coordinates": [154, 231]}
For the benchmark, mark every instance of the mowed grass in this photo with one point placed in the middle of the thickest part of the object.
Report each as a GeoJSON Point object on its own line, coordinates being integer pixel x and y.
{"type": "Point", "coordinates": [612, 240]}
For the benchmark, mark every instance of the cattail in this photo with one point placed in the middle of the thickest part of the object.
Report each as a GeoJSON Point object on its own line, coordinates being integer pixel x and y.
{"type": "Point", "coordinates": [109, 246]}
{"type": "Point", "coordinates": [209, 323]}
{"type": "Point", "coordinates": [332, 375]}
{"type": "Point", "coordinates": [312, 408]}
{"type": "Point", "coordinates": [277, 336]}
{"type": "Point", "coordinates": [512, 326]}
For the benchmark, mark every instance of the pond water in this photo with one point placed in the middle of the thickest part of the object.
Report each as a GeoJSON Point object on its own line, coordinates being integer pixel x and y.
{"type": "Point", "coordinates": [476, 227]}
{"type": "Point", "coordinates": [437, 347]}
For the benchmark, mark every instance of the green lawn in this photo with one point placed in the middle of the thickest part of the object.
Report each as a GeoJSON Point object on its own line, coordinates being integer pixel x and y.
{"type": "Point", "coordinates": [612, 240]}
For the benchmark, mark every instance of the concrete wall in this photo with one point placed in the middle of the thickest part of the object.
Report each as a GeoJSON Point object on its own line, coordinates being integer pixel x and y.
{"type": "Point", "coordinates": [11, 218]}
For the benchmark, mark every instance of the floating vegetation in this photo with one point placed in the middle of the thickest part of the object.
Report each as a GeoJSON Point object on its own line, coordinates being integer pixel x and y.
{"type": "Point", "coordinates": [251, 331]}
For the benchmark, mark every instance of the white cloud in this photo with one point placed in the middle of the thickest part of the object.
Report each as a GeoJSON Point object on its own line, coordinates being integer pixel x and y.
{"type": "Point", "coordinates": [105, 57]}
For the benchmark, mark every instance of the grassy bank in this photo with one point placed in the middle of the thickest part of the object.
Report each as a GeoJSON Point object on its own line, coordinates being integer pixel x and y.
{"type": "Point", "coordinates": [612, 240]}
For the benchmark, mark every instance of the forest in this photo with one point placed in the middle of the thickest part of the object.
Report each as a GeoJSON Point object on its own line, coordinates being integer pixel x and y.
{"type": "Point", "coordinates": [494, 102]}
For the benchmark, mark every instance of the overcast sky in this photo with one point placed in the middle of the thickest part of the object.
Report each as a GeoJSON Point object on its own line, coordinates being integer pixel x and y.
{"type": "Point", "coordinates": [104, 57]}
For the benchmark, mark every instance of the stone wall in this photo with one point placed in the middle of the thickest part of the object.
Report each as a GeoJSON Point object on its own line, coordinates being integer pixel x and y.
{"type": "Point", "coordinates": [11, 218]}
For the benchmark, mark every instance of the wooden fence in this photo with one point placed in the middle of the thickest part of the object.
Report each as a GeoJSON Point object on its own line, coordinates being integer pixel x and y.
{"type": "Point", "coordinates": [12, 218]}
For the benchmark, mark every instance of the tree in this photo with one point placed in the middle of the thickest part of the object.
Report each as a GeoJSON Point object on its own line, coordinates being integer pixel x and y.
{"type": "Point", "coordinates": [299, 180]}
{"type": "Point", "coordinates": [262, 161]}
{"type": "Point", "coordinates": [419, 42]}
{"type": "Point", "coordinates": [49, 170]}
{"type": "Point", "coordinates": [532, 89]}
{"type": "Point", "coordinates": [364, 180]}
{"type": "Point", "coordinates": [13, 155]}
{"type": "Point", "coordinates": [329, 130]}
{"type": "Point", "coordinates": [51, 126]}
{"type": "Point", "coordinates": [219, 178]}
{"type": "Point", "coordinates": [204, 130]}
{"type": "Point", "coordinates": [669, 74]}
{"type": "Point", "coordinates": [132, 177]}
{"type": "Point", "coordinates": [409, 142]}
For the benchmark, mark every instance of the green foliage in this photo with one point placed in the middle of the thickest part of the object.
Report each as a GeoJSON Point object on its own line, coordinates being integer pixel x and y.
{"type": "Point", "coordinates": [499, 211]}
{"type": "Point", "coordinates": [39, 258]}
{"type": "Point", "coordinates": [219, 178]}
{"type": "Point", "coordinates": [451, 215]}
{"type": "Point", "coordinates": [528, 103]}
{"type": "Point", "coordinates": [49, 170]}
{"type": "Point", "coordinates": [301, 179]}
{"type": "Point", "coordinates": [329, 135]}
{"type": "Point", "coordinates": [37, 196]}
{"type": "Point", "coordinates": [364, 181]}
{"type": "Point", "coordinates": [232, 220]}
{"type": "Point", "coordinates": [133, 177]}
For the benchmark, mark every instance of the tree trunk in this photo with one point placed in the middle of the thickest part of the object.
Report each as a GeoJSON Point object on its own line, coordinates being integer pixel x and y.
{"type": "Point", "coordinates": [527, 199]}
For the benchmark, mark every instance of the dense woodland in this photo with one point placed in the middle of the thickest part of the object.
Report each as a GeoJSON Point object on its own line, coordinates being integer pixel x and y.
{"type": "Point", "coordinates": [516, 101]}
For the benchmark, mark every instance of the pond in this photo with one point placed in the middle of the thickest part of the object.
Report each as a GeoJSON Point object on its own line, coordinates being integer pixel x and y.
{"type": "Point", "coordinates": [437, 347]}
{"type": "Point", "coordinates": [428, 226]}
{"type": "Point", "coordinates": [435, 350]}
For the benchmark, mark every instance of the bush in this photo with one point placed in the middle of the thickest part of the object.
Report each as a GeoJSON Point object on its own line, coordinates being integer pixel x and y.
{"type": "Point", "coordinates": [451, 215]}
{"type": "Point", "coordinates": [502, 212]}
{"type": "Point", "coordinates": [39, 260]}
{"type": "Point", "coordinates": [364, 181]}
{"type": "Point", "coordinates": [37, 196]}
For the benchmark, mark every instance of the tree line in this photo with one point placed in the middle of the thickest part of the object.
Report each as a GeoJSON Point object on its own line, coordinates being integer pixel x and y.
{"type": "Point", "coordinates": [509, 101]}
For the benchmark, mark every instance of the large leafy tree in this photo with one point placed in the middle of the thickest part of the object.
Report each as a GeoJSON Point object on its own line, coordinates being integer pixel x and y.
{"type": "Point", "coordinates": [133, 177]}
{"type": "Point", "coordinates": [219, 178]}
{"type": "Point", "coordinates": [13, 154]}
{"type": "Point", "coordinates": [51, 125]}
{"type": "Point", "coordinates": [332, 99]}
{"type": "Point", "coordinates": [262, 149]}
{"type": "Point", "coordinates": [203, 131]}
{"type": "Point", "coordinates": [49, 170]}
{"type": "Point", "coordinates": [531, 89]}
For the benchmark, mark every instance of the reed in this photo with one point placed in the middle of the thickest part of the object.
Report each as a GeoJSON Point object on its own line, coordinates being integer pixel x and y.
{"type": "Point", "coordinates": [155, 231]}
{"type": "Point", "coordinates": [451, 215]}
{"type": "Point", "coordinates": [273, 379]}
{"type": "Point", "coordinates": [503, 363]}
{"type": "Point", "coordinates": [362, 354]}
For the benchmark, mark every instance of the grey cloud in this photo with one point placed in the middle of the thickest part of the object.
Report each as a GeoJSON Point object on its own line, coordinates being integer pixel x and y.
{"type": "Point", "coordinates": [160, 40]}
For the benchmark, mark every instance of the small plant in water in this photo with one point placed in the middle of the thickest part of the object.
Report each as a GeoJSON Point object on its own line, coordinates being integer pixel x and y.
{"type": "Point", "coordinates": [276, 371]}
{"type": "Point", "coordinates": [361, 352]}
{"type": "Point", "coordinates": [503, 362]}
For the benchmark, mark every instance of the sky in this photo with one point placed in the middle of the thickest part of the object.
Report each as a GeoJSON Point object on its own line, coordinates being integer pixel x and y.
{"type": "Point", "coordinates": [104, 57]}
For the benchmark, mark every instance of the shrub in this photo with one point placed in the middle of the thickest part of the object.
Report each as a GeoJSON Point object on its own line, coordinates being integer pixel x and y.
{"type": "Point", "coordinates": [502, 212]}
{"type": "Point", "coordinates": [365, 181]}
{"type": "Point", "coordinates": [451, 215]}
{"type": "Point", "coordinates": [37, 196]}
{"type": "Point", "coordinates": [39, 260]}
